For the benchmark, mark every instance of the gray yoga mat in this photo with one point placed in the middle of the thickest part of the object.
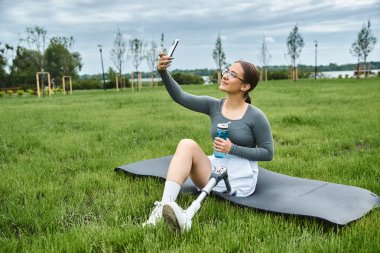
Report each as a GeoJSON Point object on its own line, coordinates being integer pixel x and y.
{"type": "Point", "coordinates": [336, 203]}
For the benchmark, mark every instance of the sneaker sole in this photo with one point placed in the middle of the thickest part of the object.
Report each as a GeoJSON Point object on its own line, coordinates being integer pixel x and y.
{"type": "Point", "coordinates": [171, 219]}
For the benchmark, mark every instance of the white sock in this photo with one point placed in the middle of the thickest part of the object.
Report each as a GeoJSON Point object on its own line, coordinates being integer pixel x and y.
{"type": "Point", "coordinates": [171, 191]}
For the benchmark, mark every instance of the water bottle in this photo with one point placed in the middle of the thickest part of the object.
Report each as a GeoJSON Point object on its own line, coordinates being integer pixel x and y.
{"type": "Point", "coordinates": [221, 132]}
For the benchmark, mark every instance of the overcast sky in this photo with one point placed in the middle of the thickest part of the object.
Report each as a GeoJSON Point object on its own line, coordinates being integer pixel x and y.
{"type": "Point", "coordinates": [242, 25]}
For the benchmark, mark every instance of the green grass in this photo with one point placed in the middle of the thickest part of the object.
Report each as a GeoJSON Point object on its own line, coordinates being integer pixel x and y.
{"type": "Point", "coordinates": [59, 193]}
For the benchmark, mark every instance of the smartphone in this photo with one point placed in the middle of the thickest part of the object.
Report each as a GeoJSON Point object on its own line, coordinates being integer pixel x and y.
{"type": "Point", "coordinates": [173, 47]}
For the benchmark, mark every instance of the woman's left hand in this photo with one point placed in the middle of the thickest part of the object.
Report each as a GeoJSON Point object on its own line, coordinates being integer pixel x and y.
{"type": "Point", "coordinates": [222, 145]}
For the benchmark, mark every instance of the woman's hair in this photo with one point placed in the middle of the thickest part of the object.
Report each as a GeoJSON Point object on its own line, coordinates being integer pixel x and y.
{"type": "Point", "coordinates": [251, 76]}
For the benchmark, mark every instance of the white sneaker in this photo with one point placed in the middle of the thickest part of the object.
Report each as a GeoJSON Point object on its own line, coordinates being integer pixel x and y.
{"type": "Point", "coordinates": [155, 215]}
{"type": "Point", "coordinates": [176, 217]}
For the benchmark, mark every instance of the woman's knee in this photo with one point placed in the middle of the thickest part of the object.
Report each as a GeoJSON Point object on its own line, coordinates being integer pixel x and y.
{"type": "Point", "coordinates": [187, 144]}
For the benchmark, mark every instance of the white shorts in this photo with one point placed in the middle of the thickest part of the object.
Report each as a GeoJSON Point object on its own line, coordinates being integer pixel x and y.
{"type": "Point", "coordinates": [242, 174]}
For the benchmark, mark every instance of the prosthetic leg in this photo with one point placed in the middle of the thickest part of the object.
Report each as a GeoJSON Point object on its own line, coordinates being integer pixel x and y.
{"type": "Point", "coordinates": [216, 176]}
{"type": "Point", "coordinates": [179, 219]}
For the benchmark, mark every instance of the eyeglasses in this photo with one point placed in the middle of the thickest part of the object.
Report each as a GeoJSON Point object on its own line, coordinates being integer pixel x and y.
{"type": "Point", "coordinates": [231, 74]}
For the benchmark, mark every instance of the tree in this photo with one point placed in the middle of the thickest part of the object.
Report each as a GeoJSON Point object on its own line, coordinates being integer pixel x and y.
{"type": "Point", "coordinates": [4, 56]}
{"type": "Point", "coordinates": [295, 44]}
{"type": "Point", "coordinates": [356, 52]}
{"type": "Point", "coordinates": [364, 44]}
{"type": "Point", "coordinates": [3, 74]}
{"type": "Point", "coordinates": [264, 57]}
{"type": "Point", "coordinates": [36, 40]}
{"type": "Point", "coordinates": [151, 59]}
{"type": "Point", "coordinates": [118, 53]}
{"type": "Point", "coordinates": [219, 57]}
{"type": "Point", "coordinates": [67, 61]}
{"type": "Point", "coordinates": [163, 49]}
{"type": "Point", "coordinates": [59, 60]}
{"type": "Point", "coordinates": [137, 52]}
{"type": "Point", "coordinates": [112, 75]}
{"type": "Point", "coordinates": [24, 67]}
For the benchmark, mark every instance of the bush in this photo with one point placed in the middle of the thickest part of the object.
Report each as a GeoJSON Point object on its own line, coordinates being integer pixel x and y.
{"type": "Point", "coordinates": [20, 93]}
{"type": "Point", "coordinates": [87, 84]}
{"type": "Point", "coordinates": [184, 78]}
{"type": "Point", "coordinates": [10, 92]}
{"type": "Point", "coordinates": [305, 74]}
{"type": "Point", "coordinates": [27, 86]}
{"type": "Point", "coordinates": [214, 77]}
{"type": "Point", "coordinates": [278, 74]}
{"type": "Point", "coordinates": [1, 93]}
{"type": "Point", "coordinates": [111, 84]}
{"type": "Point", "coordinates": [30, 92]}
{"type": "Point", "coordinates": [283, 74]}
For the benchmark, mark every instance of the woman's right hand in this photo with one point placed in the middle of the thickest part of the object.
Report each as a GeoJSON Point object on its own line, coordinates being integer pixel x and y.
{"type": "Point", "coordinates": [163, 61]}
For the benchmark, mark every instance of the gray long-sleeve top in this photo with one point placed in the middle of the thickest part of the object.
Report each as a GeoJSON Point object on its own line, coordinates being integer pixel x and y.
{"type": "Point", "coordinates": [251, 135]}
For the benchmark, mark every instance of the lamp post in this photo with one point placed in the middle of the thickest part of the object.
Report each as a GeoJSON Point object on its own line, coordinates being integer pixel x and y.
{"type": "Point", "coordinates": [101, 58]}
{"type": "Point", "coordinates": [315, 68]}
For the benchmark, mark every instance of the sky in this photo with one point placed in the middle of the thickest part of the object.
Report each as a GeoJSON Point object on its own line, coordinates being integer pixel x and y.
{"type": "Point", "coordinates": [242, 25]}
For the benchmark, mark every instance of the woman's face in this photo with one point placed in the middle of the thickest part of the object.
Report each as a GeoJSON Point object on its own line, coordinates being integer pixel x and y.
{"type": "Point", "coordinates": [232, 80]}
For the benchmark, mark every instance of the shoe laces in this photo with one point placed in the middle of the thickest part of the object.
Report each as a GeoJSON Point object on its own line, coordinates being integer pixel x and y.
{"type": "Point", "coordinates": [157, 211]}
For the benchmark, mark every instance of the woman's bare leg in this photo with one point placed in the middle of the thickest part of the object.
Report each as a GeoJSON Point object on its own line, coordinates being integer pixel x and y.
{"type": "Point", "coordinates": [189, 160]}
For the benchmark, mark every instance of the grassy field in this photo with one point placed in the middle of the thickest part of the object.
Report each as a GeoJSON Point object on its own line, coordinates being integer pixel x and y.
{"type": "Point", "coordinates": [59, 193]}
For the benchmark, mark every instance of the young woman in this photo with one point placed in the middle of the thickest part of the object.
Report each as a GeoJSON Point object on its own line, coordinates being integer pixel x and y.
{"type": "Point", "coordinates": [250, 140]}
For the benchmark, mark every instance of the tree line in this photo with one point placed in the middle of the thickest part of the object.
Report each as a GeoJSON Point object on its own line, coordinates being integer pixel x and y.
{"type": "Point", "coordinates": [35, 53]}
{"type": "Point", "coordinates": [360, 49]}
